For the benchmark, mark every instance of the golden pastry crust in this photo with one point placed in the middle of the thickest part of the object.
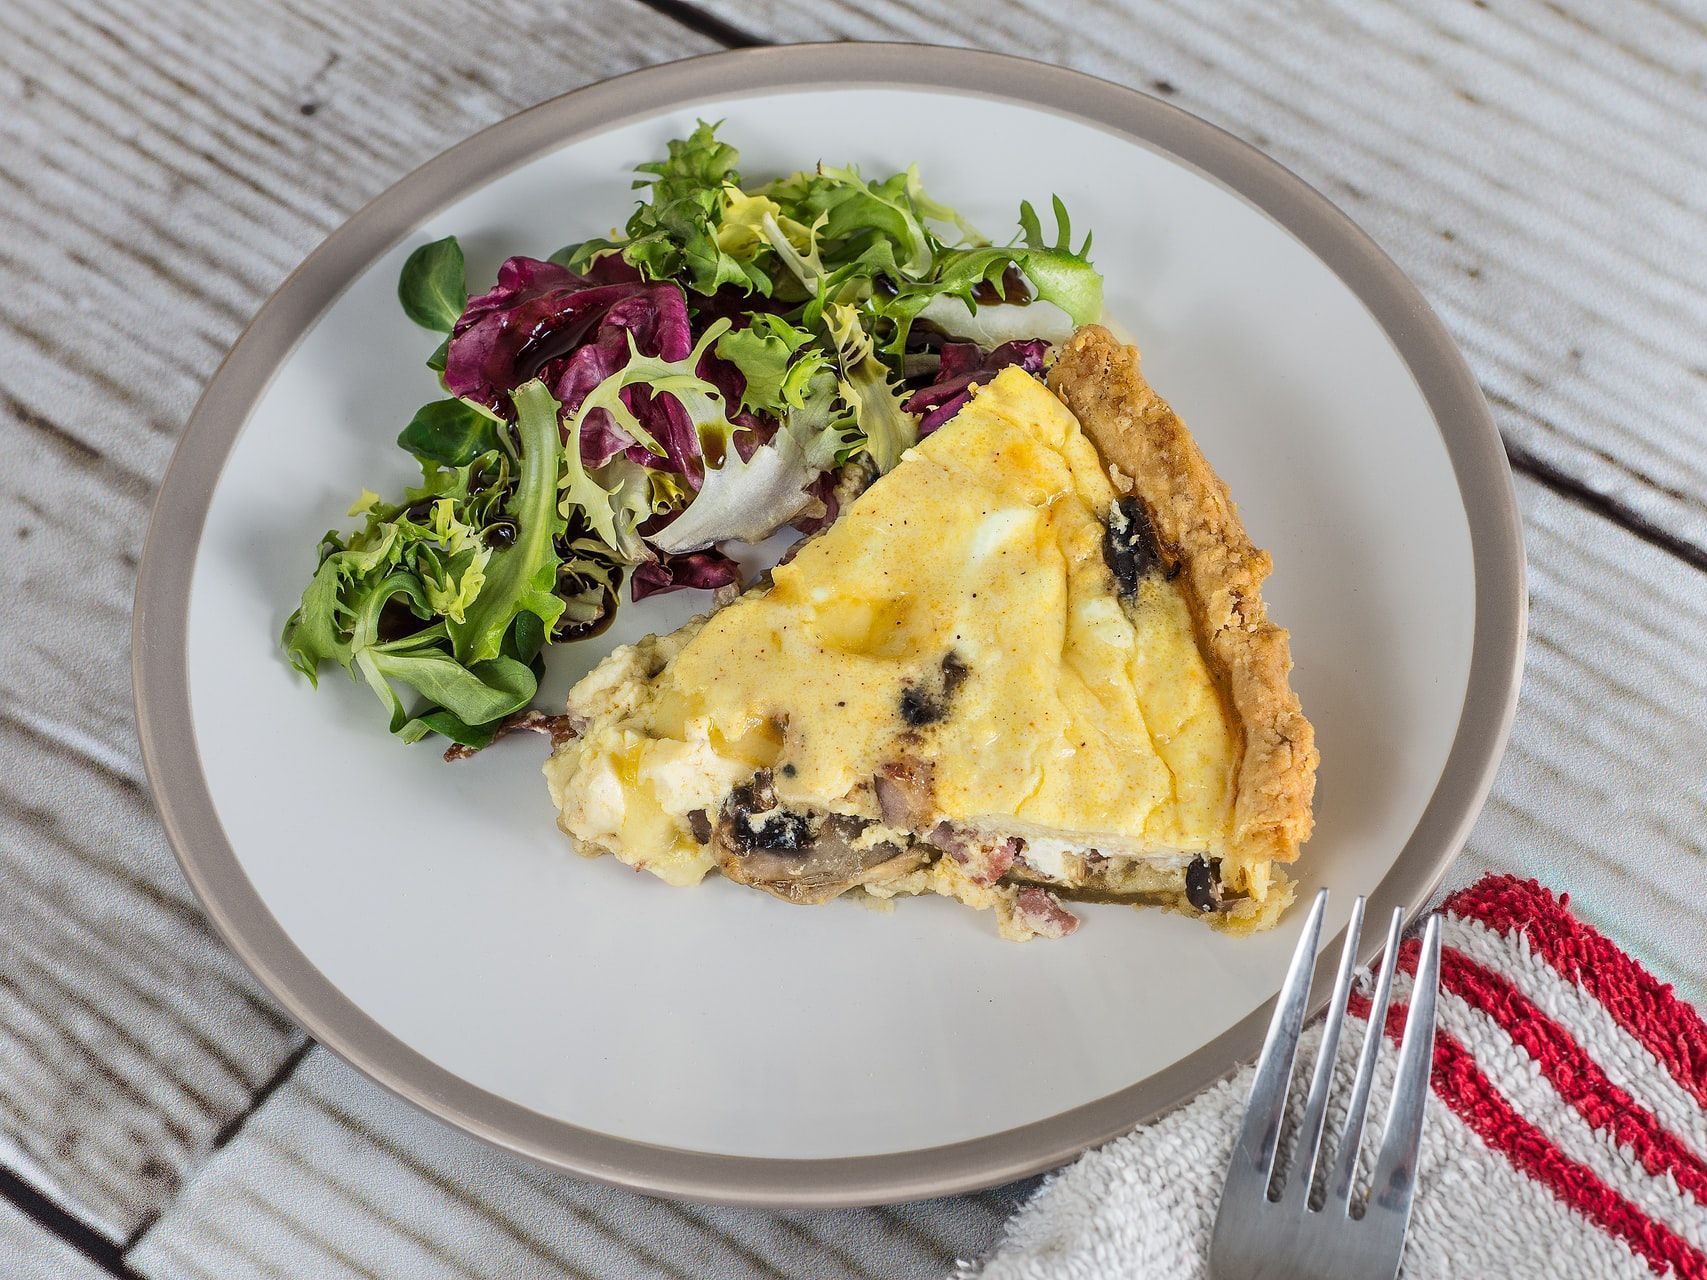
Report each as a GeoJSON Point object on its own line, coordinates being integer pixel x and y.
{"type": "Point", "coordinates": [1137, 434]}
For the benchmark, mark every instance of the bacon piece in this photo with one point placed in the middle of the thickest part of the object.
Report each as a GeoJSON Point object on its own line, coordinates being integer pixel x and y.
{"type": "Point", "coordinates": [986, 858]}
{"type": "Point", "coordinates": [1042, 913]}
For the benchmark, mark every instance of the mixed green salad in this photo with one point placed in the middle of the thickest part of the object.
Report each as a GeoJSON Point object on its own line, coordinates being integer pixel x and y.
{"type": "Point", "coordinates": [727, 365]}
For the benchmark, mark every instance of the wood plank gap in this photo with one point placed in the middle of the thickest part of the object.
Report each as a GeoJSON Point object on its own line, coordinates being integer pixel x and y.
{"type": "Point", "coordinates": [894, 1217]}
{"type": "Point", "coordinates": [64, 1226]}
{"type": "Point", "coordinates": [231, 1127]}
{"type": "Point", "coordinates": [417, 1165]}
{"type": "Point", "coordinates": [706, 24]}
{"type": "Point", "coordinates": [121, 763]}
{"type": "Point", "coordinates": [700, 1216]}
{"type": "Point", "coordinates": [1589, 498]}
{"type": "Point", "coordinates": [1599, 451]}
{"type": "Point", "coordinates": [229, 1130]}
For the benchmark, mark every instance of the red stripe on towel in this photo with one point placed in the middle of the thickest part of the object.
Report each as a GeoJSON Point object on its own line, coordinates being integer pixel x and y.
{"type": "Point", "coordinates": [1463, 1087]}
{"type": "Point", "coordinates": [1667, 1027]}
{"type": "Point", "coordinates": [1572, 1072]}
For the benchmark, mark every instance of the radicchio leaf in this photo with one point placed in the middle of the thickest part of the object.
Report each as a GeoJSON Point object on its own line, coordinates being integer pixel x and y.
{"type": "Point", "coordinates": [705, 570]}
{"type": "Point", "coordinates": [573, 331]}
{"type": "Point", "coordinates": [537, 313]}
{"type": "Point", "coordinates": [964, 365]}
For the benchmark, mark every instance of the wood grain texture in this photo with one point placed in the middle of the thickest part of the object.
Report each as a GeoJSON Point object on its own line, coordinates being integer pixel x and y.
{"type": "Point", "coordinates": [1603, 791]}
{"type": "Point", "coordinates": [128, 1038]}
{"type": "Point", "coordinates": [1538, 168]}
{"type": "Point", "coordinates": [29, 1253]}
{"type": "Point", "coordinates": [161, 168]}
{"type": "Point", "coordinates": [332, 1178]}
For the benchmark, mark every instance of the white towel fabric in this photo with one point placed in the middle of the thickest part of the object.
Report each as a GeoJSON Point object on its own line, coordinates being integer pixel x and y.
{"type": "Point", "coordinates": [1566, 1133]}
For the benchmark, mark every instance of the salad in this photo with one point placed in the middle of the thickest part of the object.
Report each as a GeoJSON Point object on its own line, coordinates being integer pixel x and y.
{"type": "Point", "coordinates": [738, 359]}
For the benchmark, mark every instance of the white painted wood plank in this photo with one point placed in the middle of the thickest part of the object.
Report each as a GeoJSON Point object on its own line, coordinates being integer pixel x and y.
{"type": "Point", "coordinates": [1601, 795]}
{"type": "Point", "coordinates": [1538, 168]}
{"type": "Point", "coordinates": [161, 168]}
{"type": "Point", "coordinates": [128, 1037]}
{"type": "Point", "coordinates": [150, 243]}
{"type": "Point", "coordinates": [29, 1253]}
{"type": "Point", "coordinates": [334, 1178]}
{"type": "Point", "coordinates": [1603, 792]}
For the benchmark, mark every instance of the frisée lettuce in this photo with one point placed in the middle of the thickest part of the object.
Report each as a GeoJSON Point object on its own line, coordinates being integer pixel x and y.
{"type": "Point", "coordinates": [622, 409]}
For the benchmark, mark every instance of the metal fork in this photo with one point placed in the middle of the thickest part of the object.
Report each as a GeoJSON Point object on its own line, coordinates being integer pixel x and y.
{"type": "Point", "coordinates": [1265, 1232]}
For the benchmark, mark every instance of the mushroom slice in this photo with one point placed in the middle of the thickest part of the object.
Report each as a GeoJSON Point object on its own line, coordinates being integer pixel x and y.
{"type": "Point", "coordinates": [800, 857]}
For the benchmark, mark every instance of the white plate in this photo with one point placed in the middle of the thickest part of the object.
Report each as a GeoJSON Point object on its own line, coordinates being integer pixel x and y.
{"type": "Point", "coordinates": [430, 924]}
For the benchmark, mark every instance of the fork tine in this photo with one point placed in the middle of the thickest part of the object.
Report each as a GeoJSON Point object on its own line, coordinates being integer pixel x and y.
{"type": "Point", "coordinates": [1345, 1164]}
{"type": "Point", "coordinates": [1316, 1107]}
{"type": "Point", "coordinates": [1259, 1136]}
{"type": "Point", "coordinates": [1396, 1167]}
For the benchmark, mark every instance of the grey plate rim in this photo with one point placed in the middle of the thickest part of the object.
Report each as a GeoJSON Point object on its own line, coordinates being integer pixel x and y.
{"type": "Point", "coordinates": [160, 676]}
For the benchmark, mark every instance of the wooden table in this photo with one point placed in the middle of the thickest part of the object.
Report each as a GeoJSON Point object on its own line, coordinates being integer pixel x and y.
{"type": "Point", "coordinates": [1540, 169]}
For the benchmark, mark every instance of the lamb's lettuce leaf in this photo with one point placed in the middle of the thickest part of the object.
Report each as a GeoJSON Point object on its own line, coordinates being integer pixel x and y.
{"type": "Point", "coordinates": [433, 286]}
{"type": "Point", "coordinates": [451, 433]}
{"type": "Point", "coordinates": [429, 593]}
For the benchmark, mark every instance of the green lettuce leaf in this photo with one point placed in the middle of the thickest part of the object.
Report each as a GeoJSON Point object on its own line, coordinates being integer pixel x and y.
{"type": "Point", "coordinates": [889, 430]}
{"type": "Point", "coordinates": [521, 577]}
{"type": "Point", "coordinates": [1058, 272]}
{"type": "Point", "coordinates": [765, 354]}
{"type": "Point", "coordinates": [484, 692]}
{"type": "Point", "coordinates": [1064, 283]}
{"type": "Point", "coordinates": [674, 234]}
{"type": "Point", "coordinates": [451, 433]}
{"type": "Point", "coordinates": [433, 286]}
{"type": "Point", "coordinates": [746, 499]}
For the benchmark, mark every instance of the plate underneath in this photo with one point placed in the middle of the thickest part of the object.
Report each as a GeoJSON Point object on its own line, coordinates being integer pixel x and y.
{"type": "Point", "coordinates": [429, 923]}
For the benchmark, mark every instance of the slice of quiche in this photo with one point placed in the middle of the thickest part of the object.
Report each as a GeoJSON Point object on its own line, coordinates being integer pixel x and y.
{"type": "Point", "coordinates": [1030, 664]}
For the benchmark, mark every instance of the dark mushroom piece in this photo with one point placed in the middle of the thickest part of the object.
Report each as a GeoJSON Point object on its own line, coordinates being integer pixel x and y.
{"type": "Point", "coordinates": [1129, 545]}
{"type": "Point", "coordinates": [1203, 884]}
{"type": "Point", "coordinates": [799, 857]}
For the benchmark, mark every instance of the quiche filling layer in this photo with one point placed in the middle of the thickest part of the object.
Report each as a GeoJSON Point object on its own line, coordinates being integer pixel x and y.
{"type": "Point", "coordinates": [981, 680]}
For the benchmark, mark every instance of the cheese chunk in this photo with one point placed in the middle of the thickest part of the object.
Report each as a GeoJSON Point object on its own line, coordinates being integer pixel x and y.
{"type": "Point", "coordinates": [960, 613]}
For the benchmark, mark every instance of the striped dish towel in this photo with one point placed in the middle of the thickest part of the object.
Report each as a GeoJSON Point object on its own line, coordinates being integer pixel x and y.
{"type": "Point", "coordinates": [1567, 1134]}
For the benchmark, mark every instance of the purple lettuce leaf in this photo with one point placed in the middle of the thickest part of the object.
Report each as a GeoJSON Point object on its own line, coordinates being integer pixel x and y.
{"type": "Point", "coordinates": [734, 305]}
{"type": "Point", "coordinates": [965, 364]}
{"type": "Point", "coordinates": [602, 355]}
{"type": "Point", "coordinates": [542, 320]}
{"type": "Point", "coordinates": [573, 331]}
{"type": "Point", "coordinates": [704, 570]}
{"type": "Point", "coordinates": [823, 491]}
{"type": "Point", "coordinates": [539, 312]}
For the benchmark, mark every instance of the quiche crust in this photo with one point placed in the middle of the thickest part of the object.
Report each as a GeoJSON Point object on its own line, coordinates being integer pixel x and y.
{"type": "Point", "coordinates": [1154, 458]}
{"type": "Point", "coordinates": [760, 792]}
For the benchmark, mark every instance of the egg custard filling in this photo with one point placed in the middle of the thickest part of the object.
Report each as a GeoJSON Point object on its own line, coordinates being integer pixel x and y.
{"type": "Point", "coordinates": [1016, 670]}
